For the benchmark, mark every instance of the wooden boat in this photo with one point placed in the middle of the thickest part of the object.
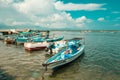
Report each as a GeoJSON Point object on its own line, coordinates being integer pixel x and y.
{"type": "Point", "coordinates": [8, 40]}
{"type": "Point", "coordinates": [33, 46]}
{"type": "Point", "coordinates": [61, 58]}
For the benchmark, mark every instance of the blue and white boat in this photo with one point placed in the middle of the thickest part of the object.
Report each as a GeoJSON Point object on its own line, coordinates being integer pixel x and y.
{"type": "Point", "coordinates": [55, 39]}
{"type": "Point", "coordinates": [28, 37]}
{"type": "Point", "coordinates": [37, 39]}
{"type": "Point", "coordinates": [61, 58]}
{"type": "Point", "coordinates": [23, 37]}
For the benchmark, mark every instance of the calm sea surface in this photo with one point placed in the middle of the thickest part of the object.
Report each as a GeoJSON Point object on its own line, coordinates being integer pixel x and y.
{"type": "Point", "coordinates": [101, 60]}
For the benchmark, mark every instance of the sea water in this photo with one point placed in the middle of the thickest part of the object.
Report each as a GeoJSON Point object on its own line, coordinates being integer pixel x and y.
{"type": "Point", "coordinates": [100, 61]}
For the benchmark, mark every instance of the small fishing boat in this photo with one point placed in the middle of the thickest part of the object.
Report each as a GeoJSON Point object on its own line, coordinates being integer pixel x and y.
{"type": "Point", "coordinates": [33, 46]}
{"type": "Point", "coordinates": [28, 37]}
{"type": "Point", "coordinates": [55, 39]}
{"type": "Point", "coordinates": [37, 39]}
{"type": "Point", "coordinates": [39, 43]}
{"type": "Point", "coordinates": [62, 58]}
{"type": "Point", "coordinates": [8, 40]}
{"type": "Point", "coordinates": [23, 37]}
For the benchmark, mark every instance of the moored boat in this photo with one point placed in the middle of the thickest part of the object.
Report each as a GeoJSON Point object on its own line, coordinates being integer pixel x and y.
{"type": "Point", "coordinates": [33, 46]}
{"type": "Point", "coordinates": [39, 43]}
{"type": "Point", "coordinates": [8, 40]}
{"type": "Point", "coordinates": [61, 58]}
{"type": "Point", "coordinates": [55, 39]}
{"type": "Point", "coordinates": [21, 39]}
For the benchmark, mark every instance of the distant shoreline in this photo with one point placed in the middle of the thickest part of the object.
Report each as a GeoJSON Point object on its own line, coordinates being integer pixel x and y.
{"type": "Point", "coordinates": [66, 30]}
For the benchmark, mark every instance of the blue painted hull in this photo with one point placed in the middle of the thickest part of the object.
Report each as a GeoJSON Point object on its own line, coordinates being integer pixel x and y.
{"type": "Point", "coordinates": [61, 58]}
{"type": "Point", "coordinates": [55, 39]}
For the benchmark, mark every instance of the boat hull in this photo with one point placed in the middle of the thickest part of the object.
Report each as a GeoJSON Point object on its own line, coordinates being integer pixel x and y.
{"type": "Point", "coordinates": [55, 39]}
{"type": "Point", "coordinates": [65, 61]}
{"type": "Point", "coordinates": [35, 46]}
{"type": "Point", "coordinates": [8, 41]}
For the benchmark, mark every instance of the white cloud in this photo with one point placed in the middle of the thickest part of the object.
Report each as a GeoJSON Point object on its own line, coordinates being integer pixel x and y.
{"type": "Point", "coordinates": [83, 19]}
{"type": "Point", "coordinates": [115, 12]}
{"type": "Point", "coordinates": [47, 15]}
{"type": "Point", "coordinates": [5, 3]}
{"type": "Point", "coordinates": [101, 19]}
{"type": "Point", "coordinates": [44, 13]}
{"type": "Point", "coordinates": [117, 19]}
{"type": "Point", "coordinates": [71, 6]}
{"type": "Point", "coordinates": [61, 20]}
{"type": "Point", "coordinates": [36, 7]}
{"type": "Point", "coordinates": [117, 24]}
{"type": "Point", "coordinates": [18, 23]}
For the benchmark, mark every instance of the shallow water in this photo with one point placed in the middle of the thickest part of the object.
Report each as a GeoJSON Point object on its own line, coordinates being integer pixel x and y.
{"type": "Point", "coordinates": [101, 60]}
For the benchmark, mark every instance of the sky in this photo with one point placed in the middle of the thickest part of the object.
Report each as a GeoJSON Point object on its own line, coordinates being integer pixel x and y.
{"type": "Point", "coordinates": [60, 14]}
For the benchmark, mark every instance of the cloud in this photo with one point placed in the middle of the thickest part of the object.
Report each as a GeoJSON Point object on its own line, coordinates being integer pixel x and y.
{"type": "Point", "coordinates": [42, 13]}
{"type": "Point", "coordinates": [71, 6]}
{"type": "Point", "coordinates": [117, 19]}
{"type": "Point", "coordinates": [5, 3]}
{"type": "Point", "coordinates": [117, 25]}
{"type": "Point", "coordinates": [36, 7]}
{"type": "Point", "coordinates": [101, 19]}
{"type": "Point", "coordinates": [15, 23]}
{"type": "Point", "coordinates": [62, 20]}
{"type": "Point", "coordinates": [116, 12]}
{"type": "Point", "coordinates": [83, 19]}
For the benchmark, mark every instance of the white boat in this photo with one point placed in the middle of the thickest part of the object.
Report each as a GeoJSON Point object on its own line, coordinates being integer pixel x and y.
{"type": "Point", "coordinates": [32, 46]}
{"type": "Point", "coordinates": [61, 58]}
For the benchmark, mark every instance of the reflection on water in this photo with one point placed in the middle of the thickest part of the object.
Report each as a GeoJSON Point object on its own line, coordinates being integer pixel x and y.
{"type": "Point", "coordinates": [101, 60]}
